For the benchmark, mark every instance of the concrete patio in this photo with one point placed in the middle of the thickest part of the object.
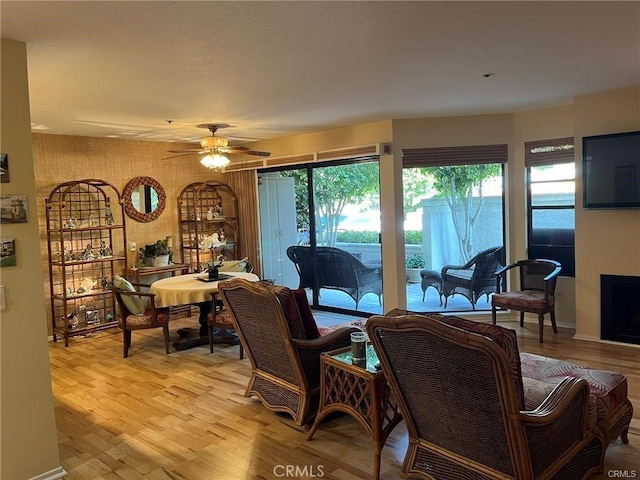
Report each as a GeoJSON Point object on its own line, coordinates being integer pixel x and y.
{"type": "Point", "coordinates": [369, 303]}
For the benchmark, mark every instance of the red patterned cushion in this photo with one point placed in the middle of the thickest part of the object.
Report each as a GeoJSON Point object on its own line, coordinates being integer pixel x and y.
{"type": "Point", "coordinates": [536, 391]}
{"type": "Point", "coordinates": [308, 322]}
{"type": "Point", "coordinates": [290, 308]}
{"type": "Point", "coordinates": [609, 388]}
{"type": "Point", "coordinates": [222, 318]}
{"type": "Point", "coordinates": [527, 299]}
{"type": "Point", "coordinates": [360, 323]}
{"type": "Point", "coordinates": [146, 318]}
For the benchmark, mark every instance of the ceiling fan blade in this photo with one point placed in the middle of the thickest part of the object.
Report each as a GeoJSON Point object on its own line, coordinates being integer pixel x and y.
{"type": "Point", "coordinates": [181, 154]}
{"type": "Point", "coordinates": [194, 151]}
{"type": "Point", "coordinates": [245, 151]}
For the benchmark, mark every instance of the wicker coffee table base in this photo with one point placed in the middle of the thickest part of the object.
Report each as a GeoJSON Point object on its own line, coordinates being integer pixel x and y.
{"type": "Point", "coordinates": [363, 394]}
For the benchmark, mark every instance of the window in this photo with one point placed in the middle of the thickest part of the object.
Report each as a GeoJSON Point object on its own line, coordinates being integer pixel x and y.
{"type": "Point", "coordinates": [454, 209]}
{"type": "Point", "coordinates": [551, 201]}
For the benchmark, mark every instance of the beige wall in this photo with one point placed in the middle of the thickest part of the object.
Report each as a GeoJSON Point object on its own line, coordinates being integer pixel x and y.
{"type": "Point", "coordinates": [607, 241]}
{"type": "Point", "coordinates": [28, 440]}
{"type": "Point", "coordinates": [119, 160]}
{"type": "Point", "coordinates": [529, 126]}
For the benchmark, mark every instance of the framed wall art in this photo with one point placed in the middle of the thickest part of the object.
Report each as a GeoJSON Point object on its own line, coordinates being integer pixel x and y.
{"type": "Point", "coordinates": [8, 252]}
{"type": "Point", "coordinates": [4, 168]}
{"type": "Point", "coordinates": [13, 209]}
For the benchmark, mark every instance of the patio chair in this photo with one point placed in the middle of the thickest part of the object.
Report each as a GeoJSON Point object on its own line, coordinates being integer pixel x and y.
{"type": "Point", "coordinates": [536, 293]}
{"type": "Point", "coordinates": [473, 279]}
{"type": "Point", "coordinates": [283, 349]}
{"type": "Point", "coordinates": [474, 422]}
{"type": "Point", "coordinates": [338, 270]}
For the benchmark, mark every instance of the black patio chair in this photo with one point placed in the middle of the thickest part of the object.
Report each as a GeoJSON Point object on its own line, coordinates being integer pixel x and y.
{"type": "Point", "coordinates": [338, 270]}
{"type": "Point", "coordinates": [473, 279]}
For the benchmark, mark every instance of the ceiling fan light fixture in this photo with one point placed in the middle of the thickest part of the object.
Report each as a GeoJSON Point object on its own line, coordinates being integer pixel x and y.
{"type": "Point", "coordinates": [214, 142]}
{"type": "Point", "coordinates": [215, 161]}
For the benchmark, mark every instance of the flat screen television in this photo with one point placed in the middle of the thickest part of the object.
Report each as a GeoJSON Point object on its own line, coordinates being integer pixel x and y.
{"type": "Point", "coordinates": [611, 171]}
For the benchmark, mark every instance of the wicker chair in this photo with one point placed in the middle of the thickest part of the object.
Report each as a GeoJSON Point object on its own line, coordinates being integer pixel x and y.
{"type": "Point", "coordinates": [338, 270]}
{"type": "Point", "coordinates": [285, 363]}
{"type": "Point", "coordinates": [536, 293]}
{"type": "Point", "coordinates": [473, 279]}
{"type": "Point", "coordinates": [460, 394]}
{"type": "Point", "coordinates": [135, 315]}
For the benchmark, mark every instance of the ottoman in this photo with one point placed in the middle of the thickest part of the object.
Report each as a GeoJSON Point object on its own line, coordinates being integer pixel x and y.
{"type": "Point", "coordinates": [431, 278]}
{"type": "Point", "coordinates": [613, 408]}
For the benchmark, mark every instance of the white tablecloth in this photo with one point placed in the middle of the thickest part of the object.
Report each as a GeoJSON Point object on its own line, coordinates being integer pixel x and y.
{"type": "Point", "coordinates": [187, 289]}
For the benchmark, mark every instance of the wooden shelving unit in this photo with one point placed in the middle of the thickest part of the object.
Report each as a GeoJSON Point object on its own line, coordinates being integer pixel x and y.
{"type": "Point", "coordinates": [206, 209]}
{"type": "Point", "coordinates": [86, 241]}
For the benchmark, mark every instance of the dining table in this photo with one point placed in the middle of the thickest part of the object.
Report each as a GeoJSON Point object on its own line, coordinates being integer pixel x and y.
{"type": "Point", "coordinates": [194, 289]}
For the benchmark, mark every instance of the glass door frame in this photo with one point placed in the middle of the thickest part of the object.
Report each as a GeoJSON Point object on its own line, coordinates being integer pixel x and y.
{"type": "Point", "coordinates": [310, 167]}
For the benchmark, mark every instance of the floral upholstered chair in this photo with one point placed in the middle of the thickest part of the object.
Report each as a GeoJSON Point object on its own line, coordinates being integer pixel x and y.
{"type": "Point", "coordinates": [535, 295]}
{"type": "Point", "coordinates": [138, 311]}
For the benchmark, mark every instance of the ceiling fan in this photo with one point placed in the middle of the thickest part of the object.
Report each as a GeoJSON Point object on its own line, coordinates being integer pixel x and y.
{"type": "Point", "coordinates": [214, 148]}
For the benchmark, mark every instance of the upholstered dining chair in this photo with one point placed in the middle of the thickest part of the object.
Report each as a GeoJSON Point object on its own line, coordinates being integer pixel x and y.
{"type": "Point", "coordinates": [138, 311]}
{"type": "Point", "coordinates": [536, 293]}
{"type": "Point", "coordinates": [460, 390]}
{"type": "Point", "coordinates": [283, 348]}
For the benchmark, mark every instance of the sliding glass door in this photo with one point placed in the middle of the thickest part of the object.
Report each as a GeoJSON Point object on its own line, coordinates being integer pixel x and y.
{"type": "Point", "coordinates": [321, 231]}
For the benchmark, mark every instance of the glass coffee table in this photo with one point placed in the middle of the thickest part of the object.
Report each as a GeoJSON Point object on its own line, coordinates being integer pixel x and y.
{"type": "Point", "coordinates": [362, 392]}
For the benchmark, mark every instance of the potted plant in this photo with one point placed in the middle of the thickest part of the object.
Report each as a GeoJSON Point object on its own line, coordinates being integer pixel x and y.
{"type": "Point", "coordinates": [213, 265]}
{"type": "Point", "coordinates": [414, 263]}
{"type": "Point", "coordinates": [156, 254]}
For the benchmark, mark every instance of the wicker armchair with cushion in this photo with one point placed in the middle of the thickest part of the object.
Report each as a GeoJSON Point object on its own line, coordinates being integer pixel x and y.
{"type": "Point", "coordinates": [138, 311]}
{"type": "Point", "coordinates": [536, 294]}
{"type": "Point", "coordinates": [277, 330]}
{"type": "Point", "coordinates": [461, 393]}
{"type": "Point", "coordinates": [473, 279]}
{"type": "Point", "coordinates": [338, 270]}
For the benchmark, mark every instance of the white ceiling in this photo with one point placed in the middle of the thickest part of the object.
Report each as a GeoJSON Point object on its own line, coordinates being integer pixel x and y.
{"type": "Point", "coordinates": [278, 68]}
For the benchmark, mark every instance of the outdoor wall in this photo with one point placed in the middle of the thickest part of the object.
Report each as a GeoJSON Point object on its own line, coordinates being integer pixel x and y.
{"type": "Point", "coordinates": [439, 239]}
{"type": "Point", "coordinates": [28, 439]}
{"type": "Point", "coordinates": [607, 241]}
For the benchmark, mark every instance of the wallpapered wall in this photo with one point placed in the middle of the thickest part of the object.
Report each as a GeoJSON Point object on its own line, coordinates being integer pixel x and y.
{"type": "Point", "coordinates": [60, 158]}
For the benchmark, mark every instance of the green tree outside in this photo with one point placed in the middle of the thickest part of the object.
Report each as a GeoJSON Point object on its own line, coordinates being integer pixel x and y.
{"type": "Point", "coordinates": [335, 187]}
{"type": "Point", "coordinates": [456, 184]}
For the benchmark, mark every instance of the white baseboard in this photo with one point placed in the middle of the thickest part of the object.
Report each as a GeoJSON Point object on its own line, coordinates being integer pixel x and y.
{"type": "Point", "coordinates": [54, 474]}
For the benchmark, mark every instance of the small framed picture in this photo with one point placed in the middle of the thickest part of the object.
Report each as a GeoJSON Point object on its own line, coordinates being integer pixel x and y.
{"type": "Point", "coordinates": [13, 209]}
{"type": "Point", "coordinates": [4, 168]}
{"type": "Point", "coordinates": [8, 252]}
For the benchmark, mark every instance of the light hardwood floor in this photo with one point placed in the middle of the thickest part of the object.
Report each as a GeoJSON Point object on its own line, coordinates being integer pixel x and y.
{"type": "Point", "coordinates": [183, 416]}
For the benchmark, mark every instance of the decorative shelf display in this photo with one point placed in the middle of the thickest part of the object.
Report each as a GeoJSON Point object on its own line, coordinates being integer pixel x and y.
{"type": "Point", "coordinates": [208, 220]}
{"type": "Point", "coordinates": [86, 241]}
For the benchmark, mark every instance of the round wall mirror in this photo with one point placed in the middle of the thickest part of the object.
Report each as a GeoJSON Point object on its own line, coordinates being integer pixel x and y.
{"type": "Point", "coordinates": [144, 199]}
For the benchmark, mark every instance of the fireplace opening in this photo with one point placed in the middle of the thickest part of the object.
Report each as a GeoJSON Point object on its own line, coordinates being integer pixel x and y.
{"type": "Point", "coordinates": [620, 308]}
